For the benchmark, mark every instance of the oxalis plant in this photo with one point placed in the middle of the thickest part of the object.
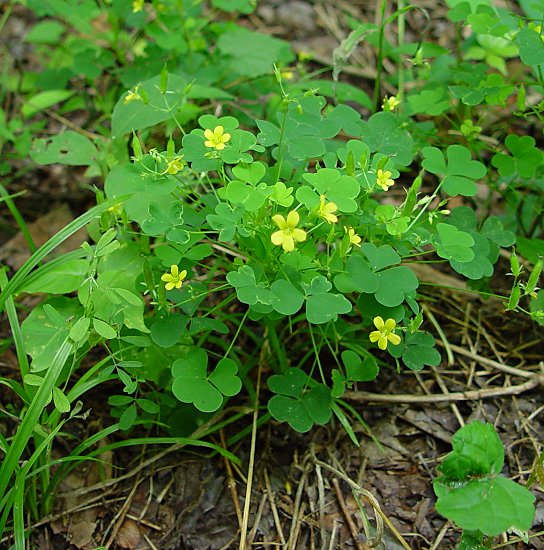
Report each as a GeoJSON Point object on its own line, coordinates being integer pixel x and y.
{"type": "Point", "coordinates": [472, 493]}
{"type": "Point", "coordinates": [231, 254]}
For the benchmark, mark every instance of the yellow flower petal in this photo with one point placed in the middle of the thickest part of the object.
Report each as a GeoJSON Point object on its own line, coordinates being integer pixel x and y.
{"type": "Point", "coordinates": [299, 235]}
{"type": "Point", "coordinates": [394, 339]}
{"type": "Point", "coordinates": [293, 218]}
{"type": "Point", "coordinates": [208, 134]}
{"type": "Point", "coordinates": [390, 325]}
{"type": "Point", "coordinates": [279, 220]}
{"type": "Point", "coordinates": [277, 238]}
{"type": "Point", "coordinates": [288, 243]}
{"type": "Point", "coordinates": [378, 322]}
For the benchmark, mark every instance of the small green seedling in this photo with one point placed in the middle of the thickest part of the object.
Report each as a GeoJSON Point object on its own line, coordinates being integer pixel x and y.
{"type": "Point", "coordinates": [472, 493]}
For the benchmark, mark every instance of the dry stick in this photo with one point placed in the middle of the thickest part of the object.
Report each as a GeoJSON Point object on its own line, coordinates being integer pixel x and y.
{"type": "Point", "coordinates": [297, 512]}
{"type": "Point", "coordinates": [367, 495]}
{"type": "Point", "coordinates": [446, 391]}
{"type": "Point", "coordinates": [120, 516]}
{"type": "Point", "coordinates": [247, 501]}
{"type": "Point", "coordinates": [231, 483]}
{"type": "Point", "coordinates": [440, 536]}
{"type": "Point", "coordinates": [321, 493]}
{"type": "Point", "coordinates": [272, 501]}
{"type": "Point", "coordinates": [490, 362]}
{"type": "Point", "coordinates": [253, 532]}
{"type": "Point", "coordinates": [342, 503]}
{"type": "Point", "coordinates": [471, 395]}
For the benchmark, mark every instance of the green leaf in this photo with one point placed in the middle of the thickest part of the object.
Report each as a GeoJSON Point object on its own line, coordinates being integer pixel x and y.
{"type": "Point", "coordinates": [127, 419]}
{"type": "Point", "coordinates": [224, 377]}
{"type": "Point", "coordinates": [380, 257]}
{"type": "Point", "coordinates": [287, 299]}
{"type": "Point", "coordinates": [525, 159]}
{"type": "Point", "coordinates": [531, 46]}
{"type": "Point", "coordinates": [416, 351]}
{"type": "Point", "coordinates": [491, 506]}
{"type": "Point", "coordinates": [252, 54]}
{"type": "Point", "coordinates": [167, 331]}
{"type": "Point", "coordinates": [358, 370]}
{"type": "Point", "coordinates": [358, 277]}
{"type": "Point", "coordinates": [44, 100]}
{"type": "Point", "coordinates": [232, 6]}
{"type": "Point", "coordinates": [42, 337]}
{"type": "Point", "coordinates": [250, 197]}
{"type": "Point", "coordinates": [342, 190]}
{"type": "Point", "coordinates": [300, 410]}
{"type": "Point", "coordinates": [80, 330]}
{"type": "Point", "coordinates": [60, 401]}
{"type": "Point", "coordinates": [69, 148]}
{"type": "Point", "coordinates": [250, 173]}
{"type": "Point", "coordinates": [158, 107]}
{"type": "Point", "coordinates": [45, 32]}
{"type": "Point", "coordinates": [385, 134]}
{"type": "Point", "coordinates": [477, 451]}
{"type": "Point", "coordinates": [394, 285]}
{"type": "Point", "coordinates": [461, 170]}
{"type": "Point", "coordinates": [454, 244]}
{"type": "Point", "coordinates": [247, 289]}
{"type": "Point", "coordinates": [61, 278]}
{"type": "Point", "coordinates": [192, 385]}
{"type": "Point", "coordinates": [104, 329]}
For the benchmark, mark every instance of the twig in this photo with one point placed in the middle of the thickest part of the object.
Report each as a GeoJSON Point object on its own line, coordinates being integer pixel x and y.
{"type": "Point", "coordinates": [231, 483]}
{"type": "Point", "coordinates": [490, 362]}
{"type": "Point", "coordinates": [471, 395]}
{"type": "Point", "coordinates": [251, 465]}
{"type": "Point", "coordinates": [341, 502]}
{"type": "Point", "coordinates": [298, 512]}
{"type": "Point", "coordinates": [273, 507]}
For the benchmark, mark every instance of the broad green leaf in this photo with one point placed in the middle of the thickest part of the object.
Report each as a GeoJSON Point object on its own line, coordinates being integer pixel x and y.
{"type": "Point", "coordinates": [69, 148]}
{"type": "Point", "coordinates": [61, 279]}
{"type": "Point", "coordinates": [251, 53]}
{"type": "Point", "coordinates": [44, 100]}
{"type": "Point", "coordinates": [287, 299]}
{"type": "Point", "coordinates": [167, 331]}
{"type": "Point", "coordinates": [394, 285]}
{"type": "Point", "coordinates": [60, 401]}
{"type": "Point", "coordinates": [104, 329]}
{"type": "Point", "coordinates": [291, 383]}
{"type": "Point", "coordinates": [358, 370]}
{"type": "Point", "coordinates": [42, 337]}
{"type": "Point", "coordinates": [491, 506]}
{"type": "Point", "coordinates": [454, 244]}
{"type": "Point", "coordinates": [531, 46]}
{"type": "Point", "coordinates": [225, 379]}
{"type": "Point", "coordinates": [417, 350]}
{"type": "Point", "coordinates": [358, 277]}
{"type": "Point", "coordinates": [250, 173]}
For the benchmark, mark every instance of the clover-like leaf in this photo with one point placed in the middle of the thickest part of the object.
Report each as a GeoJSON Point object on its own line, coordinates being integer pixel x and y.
{"type": "Point", "coordinates": [417, 350]}
{"type": "Point", "coordinates": [531, 46]}
{"type": "Point", "coordinates": [287, 299]}
{"type": "Point", "coordinates": [525, 159]}
{"type": "Point", "coordinates": [385, 134]}
{"type": "Point", "coordinates": [342, 190]}
{"type": "Point", "coordinates": [432, 102]}
{"type": "Point", "coordinates": [461, 171]}
{"type": "Point", "coordinates": [160, 220]}
{"type": "Point", "coordinates": [300, 408]}
{"type": "Point", "coordinates": [249, 196]}
{"type": "Point", "coordinates": [192, 384]}
{"type": "Point", "coordinates": [224, 377]}
{"type": "Point", "coordinates": [454, 244]}
{"type": "Point", "coordinates": [394, 285]}
{"type": "Point", "coordinates": [247, 289]}
{"type": "Point", "coordinates": [380, 257]}
{"type": "Point", "coordinates": [250, 173]}
{"type": "Point", "coordinates": [226, 220]}
{"type": "Point", "coordinates": [358, 277]}
{"type": "Point", "coordinates": [321, 305]}
{"type": "Point", "coordinates": [282, 195]}
{"type": "Point", "coordinates": [167, 331]}
{"type": "Point", "coordinates": [358, 370]}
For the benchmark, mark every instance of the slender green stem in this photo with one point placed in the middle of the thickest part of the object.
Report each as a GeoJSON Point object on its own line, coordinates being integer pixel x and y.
{"type": "Point", "coordinates": [379, 60]}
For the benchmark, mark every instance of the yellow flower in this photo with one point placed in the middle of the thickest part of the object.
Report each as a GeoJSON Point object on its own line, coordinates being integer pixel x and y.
{"type": "Point", "coordinates": [390, 103]}
{"type": "Point", "coordinates": [174, 166]}
{"type": "Point", "coordinates": [384, 179]}
{"type": "Point", "coordinates": [353, 237]}
{"type": "Point", "coordinates": [384, 333]}
{"type": "Point", "coordinates": [137, 5]}
{"type": "Point", "coordinates": [174, 278]}
{"type": "Point", "coordinates": [217, 138]}
{"type": "Point", "coordinates": [132, 95]}
{"type": "Point", "coordinates": [326, 210]}
{"type": "Point", "coordinates": [288, 233]}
